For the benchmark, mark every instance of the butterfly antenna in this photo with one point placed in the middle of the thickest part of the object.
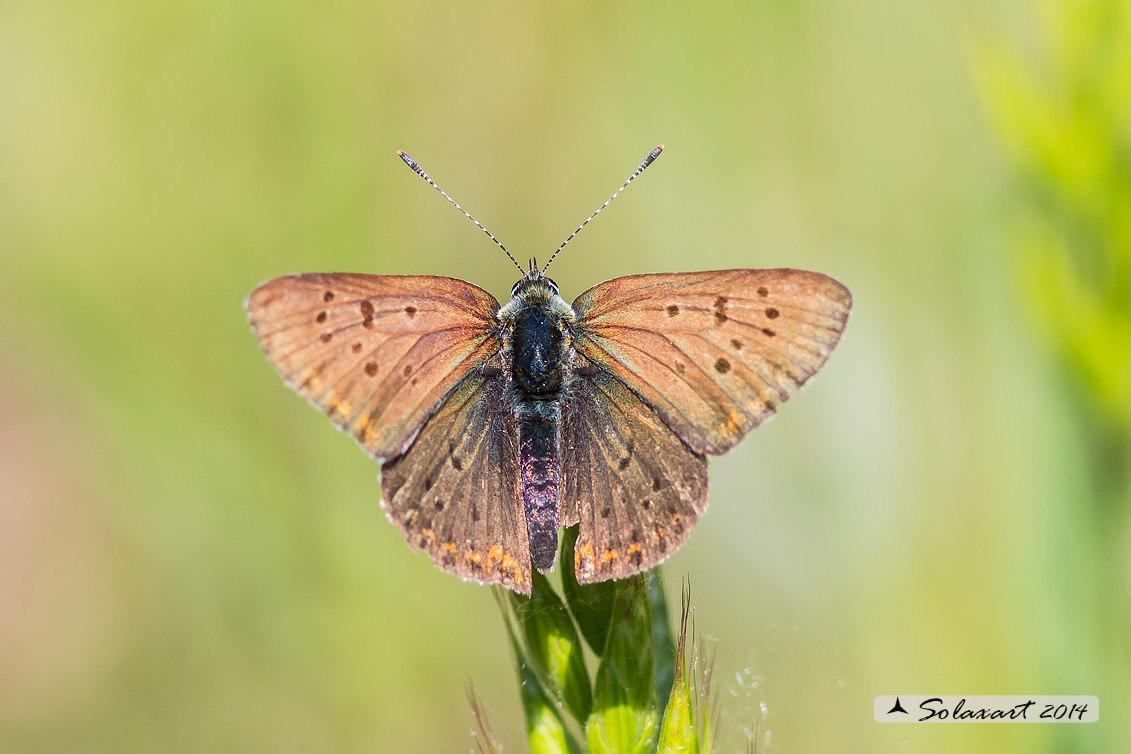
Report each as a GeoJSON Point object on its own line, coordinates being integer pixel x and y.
{"type": "Point", "coordinates": [647, 161]}
{"type": "Point", "coordinates": [420, 172]}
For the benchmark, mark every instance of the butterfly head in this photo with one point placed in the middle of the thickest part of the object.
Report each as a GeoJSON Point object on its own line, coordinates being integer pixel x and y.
{"type": "Point", "coordinates": [536, 291]}
{"type": "Point", "coordinates": [534, 285]}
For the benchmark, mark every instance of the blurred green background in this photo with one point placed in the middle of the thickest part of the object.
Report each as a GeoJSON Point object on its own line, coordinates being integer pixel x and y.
{"type": "Point", "coordinates": [192, 560]}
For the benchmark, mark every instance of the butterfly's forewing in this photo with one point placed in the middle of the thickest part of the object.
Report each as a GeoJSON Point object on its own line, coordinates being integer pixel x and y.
{"type": "Point", "coordinates": [635, 487]}
{"type": "Point", "coordinates": [376, 353]}
{"type": "Point", "coordinates": [712, 353]}
{"type": "Point", "coordinates": [454, 492]}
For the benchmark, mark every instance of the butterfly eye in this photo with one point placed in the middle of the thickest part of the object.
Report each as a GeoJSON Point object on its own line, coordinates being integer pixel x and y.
{"type": "Point", "coordinates": [514, 289]}
{"type": "Point", "coordinates": [553, 285]}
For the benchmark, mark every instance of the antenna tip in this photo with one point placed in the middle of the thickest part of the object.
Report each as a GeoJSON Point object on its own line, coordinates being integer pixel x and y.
{"type": "Point", "coordinates": [660, 148]}
{"type": "Point", "coordinates": [406, 157]}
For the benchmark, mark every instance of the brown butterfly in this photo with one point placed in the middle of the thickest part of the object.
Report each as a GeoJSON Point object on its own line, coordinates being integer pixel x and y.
{"type": "Point", "coordinates": [495, 425]}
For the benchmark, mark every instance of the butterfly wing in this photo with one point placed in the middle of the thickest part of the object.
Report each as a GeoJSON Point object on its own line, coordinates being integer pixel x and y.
{"type": "Point", "coordinates": [712, 353]}
{"type": "Point", "coordinates": [376, 353]}
{"type": "Point", "coordinates": [635, 486]}
{"type": "Point", "coordinates": [454, 493]}
{"type": "Point", "coordinates": [670, 368]}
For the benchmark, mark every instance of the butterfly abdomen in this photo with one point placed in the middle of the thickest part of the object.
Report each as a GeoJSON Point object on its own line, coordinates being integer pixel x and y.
{"type": "Point", "coordinates": [539, 432]}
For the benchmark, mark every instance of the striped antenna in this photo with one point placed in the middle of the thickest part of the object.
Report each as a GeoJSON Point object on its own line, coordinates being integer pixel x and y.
{"type": "Point", "coordinates": [647, 161]}
{"type": "Point", "coordinates": [420, 172]}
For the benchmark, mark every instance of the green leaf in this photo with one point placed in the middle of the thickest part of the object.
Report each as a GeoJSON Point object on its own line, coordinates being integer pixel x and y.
{"type": "Point", "coordinates": [678, 731]}
{"type": "Point", "coordinates": [546, 731]}
{"type": "Point", "coordinates": [662, 638]}
{"type": "Point", "coordinates": [554, 647]}
{"type": "Point", "coordinates": [624, 718]}
{"type": "Point", "coordinates": [591, 604]}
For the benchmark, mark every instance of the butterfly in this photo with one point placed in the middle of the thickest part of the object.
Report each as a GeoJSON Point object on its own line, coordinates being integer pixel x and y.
{"type": "Point", "coordinates": [497, 424]}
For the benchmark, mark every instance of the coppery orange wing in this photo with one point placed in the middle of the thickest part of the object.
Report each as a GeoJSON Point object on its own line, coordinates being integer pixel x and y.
{"type": "Point", "coordinates": [376, 353]}
{"type": "Point", "coordinates": [713, 353]}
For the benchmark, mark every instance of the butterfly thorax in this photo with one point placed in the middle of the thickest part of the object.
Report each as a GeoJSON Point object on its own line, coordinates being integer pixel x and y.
{"type": "Point", "coordinates": [535, 326]}
{"type": "Point", "coordinates": [537, 351]}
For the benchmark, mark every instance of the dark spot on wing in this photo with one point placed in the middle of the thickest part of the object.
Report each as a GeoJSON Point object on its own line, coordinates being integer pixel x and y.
{"type": "Point", "coordinates": [438, 505]}
{"type": "Point", "coordinates": [325, 337]}
{"type": "Point", "coordinates": [474, 512]}
{"type": "Point", "coordinates": [407, 369]}
{"type": "Point", "coordinates": [356, 348]}
{"type": "Point", "coordinates": [320, 318]}
{"type": "Point", "coordinates": [371, 368]}
{"type": "Point", "coordinates": [656, 484]}
{"type": "Point", "coordinates": [410, 311]}
{"type": "Point", "coordinates": [763, 292]}
{"type": "Point", "coordinates": [636, 557]}
{"type": "Point", "coordinates": [737, 345]}
{"type": "Point", "coordinates": [606, 511]}
{"type": "Point", "coordinates": [427, 483]}
{"type": "Point", "coordinates": [679, 368]}
{"type": "Point", "coordinates": [770, 333]}
{"type": "Point", "coordinates": [722, 366]}
{"type": "Point", "coordinates": [328, 296]}
{"type": "Point", "coordinates": [630, 448]}
{"type": "Point", "coordinates": [366, 314]}
{"type": "Point", "coordinates": [457, 464]}
{"type": "Point", "coordinates": [720, 310]}
{"type": "Point", "coordinates": [770, 405]}
{"type": "Point", "coordinates": [646, 504]}
{"type": "Point", "coordinates": [414, 381]}
{"type": "Point", "coordinates": [673, 310]}
{"type": "Point", "coordinates": [771, 313]}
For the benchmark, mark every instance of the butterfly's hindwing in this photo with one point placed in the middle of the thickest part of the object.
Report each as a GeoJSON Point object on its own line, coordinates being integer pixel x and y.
{"type": "Point", "coordinates": [713, 353]}
{"type": "Point", "coordinates": [455, 492]}
{"type": "Point", "coordinates": [633, 485]}
{"type": "Point", "coordinates": [376, 353]}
